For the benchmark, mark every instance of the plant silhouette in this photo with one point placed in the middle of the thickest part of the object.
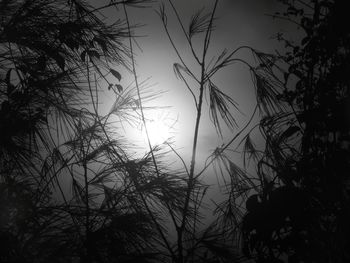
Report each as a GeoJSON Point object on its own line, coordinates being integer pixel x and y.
{"type": "Point", "coordinates": [71, 190]}
{"type": "Point", "coordinates": [301, 203]}
{"type": "Point", "coordinates": [52, 134]}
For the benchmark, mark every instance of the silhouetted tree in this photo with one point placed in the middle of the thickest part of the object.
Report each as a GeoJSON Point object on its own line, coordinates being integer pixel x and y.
{"type": "Point", "coordinates": [301, 208]}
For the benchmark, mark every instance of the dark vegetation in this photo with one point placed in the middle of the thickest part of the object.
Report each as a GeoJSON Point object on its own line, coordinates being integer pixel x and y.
{"type": "Point", "coordinates": [302, 208]}
{"type": "Point", "coordinates": [70, 190]}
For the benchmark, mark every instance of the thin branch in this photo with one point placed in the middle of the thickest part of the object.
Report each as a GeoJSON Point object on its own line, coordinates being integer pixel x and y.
{"type": "Point", "coordinates": [229, 143]}
{"type": "Point", "coordinates": [148, 138]}
{"type": "Point", "coordinates": [181, 159]}
{"type": "Point", "coordinates": [184, 31]}
{"type": "Point", "coordinates": [174, 46]}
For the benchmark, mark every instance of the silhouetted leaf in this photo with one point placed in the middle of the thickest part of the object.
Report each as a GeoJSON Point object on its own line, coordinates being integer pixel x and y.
{"type": "Point", "coordinates": [8, 77]}
{"type": "Point", "coordinates": [82, 55]}
{"type": "Point", "coordinates": [116, 74]}
{"type": "Point", "coordinates": [162, 14]}
{"type": "Point", "coordinates": [289, 132]}
{"type": "Point", "coordinates": [93, 54]}
{"type": "Point", "coordinates": [96, 152]}
{"type": "Point", "coordinates": [267, 61]}
{"type": "Point", "coordinates": [249, 149]}
{"type": "Point", "coordinates": [102, 43]}
{"type": "Point", "coordinates": [119, 88]}
{"type": "Point", "coordinates": [178, 69]}
{"type": "Point", "coordinates": [220, 104]}
{"type": "Point", "coordinates": [266, 94]}
{"type": "Point", "coordinates": [59, 59]}
{"type": "Point", "coordinates": [199, 23]}
{"type": "Point", "coordinates": [10, 87]}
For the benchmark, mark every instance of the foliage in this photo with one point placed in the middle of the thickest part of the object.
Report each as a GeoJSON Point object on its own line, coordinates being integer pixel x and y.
{"type": "Point", "coordinates": [196, 242]}
{"type": "Point", "coordinates": [299, 209]}
{"type": "Point", "coordinates": [71, 190]}
{"type": "Point", "coordinates": [51, 135]}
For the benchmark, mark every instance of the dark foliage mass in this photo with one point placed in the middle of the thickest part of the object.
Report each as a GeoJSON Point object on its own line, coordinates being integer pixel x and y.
{"type": "Point", "coordinates": [51, 54]}
{"type": "Point", "coordinates": [301, 210]}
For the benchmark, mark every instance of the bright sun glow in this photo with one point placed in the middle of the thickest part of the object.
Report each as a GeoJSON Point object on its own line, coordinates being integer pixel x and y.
{"type": "Point", "coordinates": [160, 128]}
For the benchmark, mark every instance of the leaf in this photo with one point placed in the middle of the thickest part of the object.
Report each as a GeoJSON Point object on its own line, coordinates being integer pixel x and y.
{"type": "Point", "coordinates": [10, 87]}
{"type": "Point", "coordinates": [161, 13]}
{"type": "Point", "coordinates": [93, 54]}
{"type": "Point", "coordinates": [267, 61]}
{"type": "Point", "coordinates": [82, 55]}
{"type": "Point", "coordinates": [236, 172]}
{"type": "Point", "coordinates": [110, 86]}
{"type": "Point", "coordinates": [178, 68]}
{"type": "Point", "coordinates": [288, 133]}
{"type": "Point", "coordinates": [220, 104]}
{"type": "Point", "coordinates": [59, 60]}
{"type": "Point", "coordinates": [8, 77]}
{"type": "Point", "coordinates": [116, 74]}
{"type": "Point", "coordinates": [101, 43]}
{"type": "Point", "coordinates": [119, 87]}
{"type": "Point", "coordinates": [266, 94]}
{"type": "Point", "coordinates": [101, 178]}
{"type": "Point", "coordinates": [249, 149]}
{"type": "Point", "coordinates": [199, 23]}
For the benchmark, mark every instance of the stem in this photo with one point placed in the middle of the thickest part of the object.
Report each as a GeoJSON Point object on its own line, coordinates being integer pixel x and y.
{"type": "Point", "coordinates": [148, 140]}
{"type": "Point", "coordinates": [229, 143]}
{"type": "Point", "coordinates": [184, 31]}
{"type": "Point", "coordinates": [138, 91]}
{"type": "Point", "coordinates": [195, 138]}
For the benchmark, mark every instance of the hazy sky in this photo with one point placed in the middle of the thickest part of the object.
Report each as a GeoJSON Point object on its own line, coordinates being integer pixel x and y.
{"type": "Point", "coordinates": [239, 22]}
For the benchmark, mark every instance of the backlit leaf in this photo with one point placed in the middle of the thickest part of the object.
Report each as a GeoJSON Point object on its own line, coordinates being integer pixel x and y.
{"type": "Point", "coordinates": [199, 23]}
{"type": "Point", "coordinates": [116, 74]}
{"type": "Point", "coordinates": [93, 54]}
{"type": "Point", "coordinates": [82, 55]}
{"type": "Point", "coordinates": [119, 87]}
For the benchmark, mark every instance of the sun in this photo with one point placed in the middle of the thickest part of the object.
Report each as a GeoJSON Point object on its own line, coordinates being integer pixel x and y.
{"type": "Point", "coordinates": [160, 127]}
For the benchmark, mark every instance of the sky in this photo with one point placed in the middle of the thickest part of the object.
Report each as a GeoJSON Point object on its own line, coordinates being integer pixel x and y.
{"type": "Point", "coordinates": [238, 23]}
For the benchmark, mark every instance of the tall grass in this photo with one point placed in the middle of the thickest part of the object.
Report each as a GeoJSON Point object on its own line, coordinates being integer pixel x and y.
{"type": "Point", "coordinates": [70, 187]}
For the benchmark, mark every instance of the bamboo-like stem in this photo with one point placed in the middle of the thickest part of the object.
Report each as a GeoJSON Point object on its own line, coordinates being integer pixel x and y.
{"type": "Point", "coordinates": [148, 140]}
{"type": "Point", "coordinates": [230, 142]}
{"type": "Point", "coordinates": [185, 33]}
{"type": "Point", "coordinates": [190, 183]}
